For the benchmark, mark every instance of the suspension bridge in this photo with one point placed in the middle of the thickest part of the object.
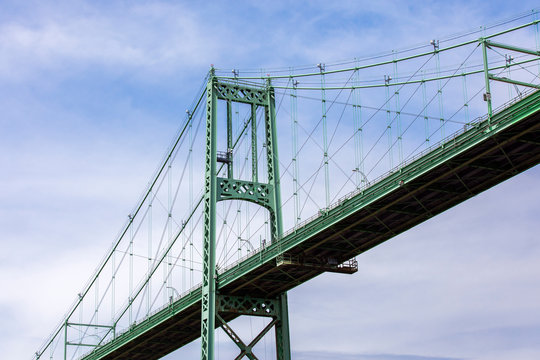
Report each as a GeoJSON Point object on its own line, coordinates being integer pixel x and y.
{"type": "Point", "coordinates": [368, 149]}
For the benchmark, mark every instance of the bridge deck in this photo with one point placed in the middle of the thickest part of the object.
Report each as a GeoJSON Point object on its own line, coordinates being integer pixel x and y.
{"type": "Point", "coordinates": [462, 167]}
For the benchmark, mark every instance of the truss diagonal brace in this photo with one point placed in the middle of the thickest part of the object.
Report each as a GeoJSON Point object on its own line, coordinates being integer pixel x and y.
{"type": "Point", "coordinates": [243, 94]}
{"type": "Point", "coordinates": [256, 340]}
{"type": "Point", "coordinates": [244, 349]}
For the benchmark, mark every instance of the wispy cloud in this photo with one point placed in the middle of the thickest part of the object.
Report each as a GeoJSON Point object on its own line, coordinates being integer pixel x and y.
{"type": "Point", "coordinates": [92, 92]}
{"type": "Point", "coordinates": [120, 40]}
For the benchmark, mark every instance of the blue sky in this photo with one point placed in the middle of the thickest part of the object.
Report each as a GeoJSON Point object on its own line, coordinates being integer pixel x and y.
{"type": "Point", "coordinates": [91, 95]}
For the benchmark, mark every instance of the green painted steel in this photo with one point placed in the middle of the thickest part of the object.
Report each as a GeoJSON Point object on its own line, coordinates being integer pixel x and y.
{"type": "Point", "coordinates": [294, 155]}
{"type": "Point", "coordinates": [254, 157]}
{"type": "Point", "coordinates": [487, 94]}
{"type": "Point", "coordinates": [218, 189]}
{"type": "Point", "coordinates": [516, 82]}
{"type": "Point", "coordinates": [272, 159]}
{"type": "Point", "coordinates": [246, 305]}
{"type": "Point", "coordinates": [477, 134]}
{"type": "Point", "coordinates": [283, 344]}
{"type": "Point", "coordinates": [358, 135]}
{"type": "Point", "coordinates": [151, 322]}
{"type": "Point", "coordinates": [256, 192]}
{"type": "Point", "coordinates": [512, 47]}
{"type": "Point", "coordinates": [208, 301]}
{"type": "Point", "coordinates": [242, 94]}
{"type": "Point", "coordinates": [273, 308]}
{"type": "Point", "coordinates": [325, 137]}
{"type": "Point", "coordinates": [230, 172]}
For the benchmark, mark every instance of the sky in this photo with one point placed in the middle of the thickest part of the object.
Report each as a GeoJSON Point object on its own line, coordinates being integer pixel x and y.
{"type": "Point", "coordinates": [92, 93]}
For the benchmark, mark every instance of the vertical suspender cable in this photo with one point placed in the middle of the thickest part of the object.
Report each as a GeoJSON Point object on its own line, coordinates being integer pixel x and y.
{"type": "Point", "coordinates": [183, 266]}
{"type": "Point", "coordinates": [239, 127]}
{"type": "Point", "coordinates": [398, 114]}
{"type": "Point", "coordinates": [113, 278]}
{"type": "Point", "coordinates": [325, 140]}
{"type": "Point", "coordinates": [183, 252]}
{"type": "Point", "coordinates": [148, 284]}
{"type": "Point", "coordinates": [487, 94]}
{"type": "Point", "coordinates": [254, 158]}
{"type": "Point", "coordinates": [239, 229]}
{"type": "Point", "coordinates": [248, 146]}
{"type": "Point", "coordinates": [266, 213]}
{"type": "Point", "coordinates": [97, 305]}
{"type": "Point", "coordinates": [81, 314]}
{"type": "Point", "coordinates": [435, 44]}
{"type": "Point", "coordinates": [465, 98]}
{"type": "Point", "coordinates": [424, 107]}
{"type": "Point", "coordinates": [190, 233]}
{"type": "Point", "coordinates": [229, 165]}
{"type": "Point", "coordinates": [387, 79]}
{"type": "Point", "coordinates": [169, 232]}
{"type": "Point", "coordinates": [358, 133]}
{"type": "Point", "coordinates": [224, 233]}
{"type": "Point", "coordinates": [294, 134]}
{"type": "Point", "coordinates": [508, 60]}
{"type": "Point", "coordinates": [168, 272]}
{"type": "Point", "coordinates": [537, 37]}
{"type": "Point", "coordinates": [130, 270]}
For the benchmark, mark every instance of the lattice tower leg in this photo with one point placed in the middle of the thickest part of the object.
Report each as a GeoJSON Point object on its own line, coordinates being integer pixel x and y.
{"type": "Point", "coordinates": [283, 345]}
{"type": "Point", "coordinates": [208, 304]}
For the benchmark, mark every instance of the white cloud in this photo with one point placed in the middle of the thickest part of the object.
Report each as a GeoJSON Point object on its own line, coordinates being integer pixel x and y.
{"type": "Point", "coordinates": [149, 38]}
{"type": "Point", "coordinates": [71, 173]}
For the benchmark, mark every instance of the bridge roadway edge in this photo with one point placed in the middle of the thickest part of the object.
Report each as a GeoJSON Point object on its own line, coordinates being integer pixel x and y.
{"type": "Point", "coordinates": [356, 224]}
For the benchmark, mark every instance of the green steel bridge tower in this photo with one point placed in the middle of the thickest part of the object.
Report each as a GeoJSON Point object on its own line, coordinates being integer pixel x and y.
{"type": "Point", "coordinates": [377, 145]}
{"type": "Point", "coordinates": [265, 194]}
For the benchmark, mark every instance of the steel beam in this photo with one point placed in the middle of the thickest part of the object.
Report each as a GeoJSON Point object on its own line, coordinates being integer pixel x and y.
{"type": "Point", "coordinates": [515, 82]}
{"type": "Point", "coordinates": [491, 43]}
{"type": "Point", "coordinates": [208, 301]}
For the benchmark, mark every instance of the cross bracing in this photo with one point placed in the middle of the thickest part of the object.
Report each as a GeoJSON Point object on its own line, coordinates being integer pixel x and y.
{"type": "Point", "coordinates": [377, 147]}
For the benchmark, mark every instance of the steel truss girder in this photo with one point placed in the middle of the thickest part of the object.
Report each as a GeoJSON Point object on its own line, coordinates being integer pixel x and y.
{"type": "Point", "coordinates": [243, 94]}
{"type": "Point", "coordinates": [245, 305]}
